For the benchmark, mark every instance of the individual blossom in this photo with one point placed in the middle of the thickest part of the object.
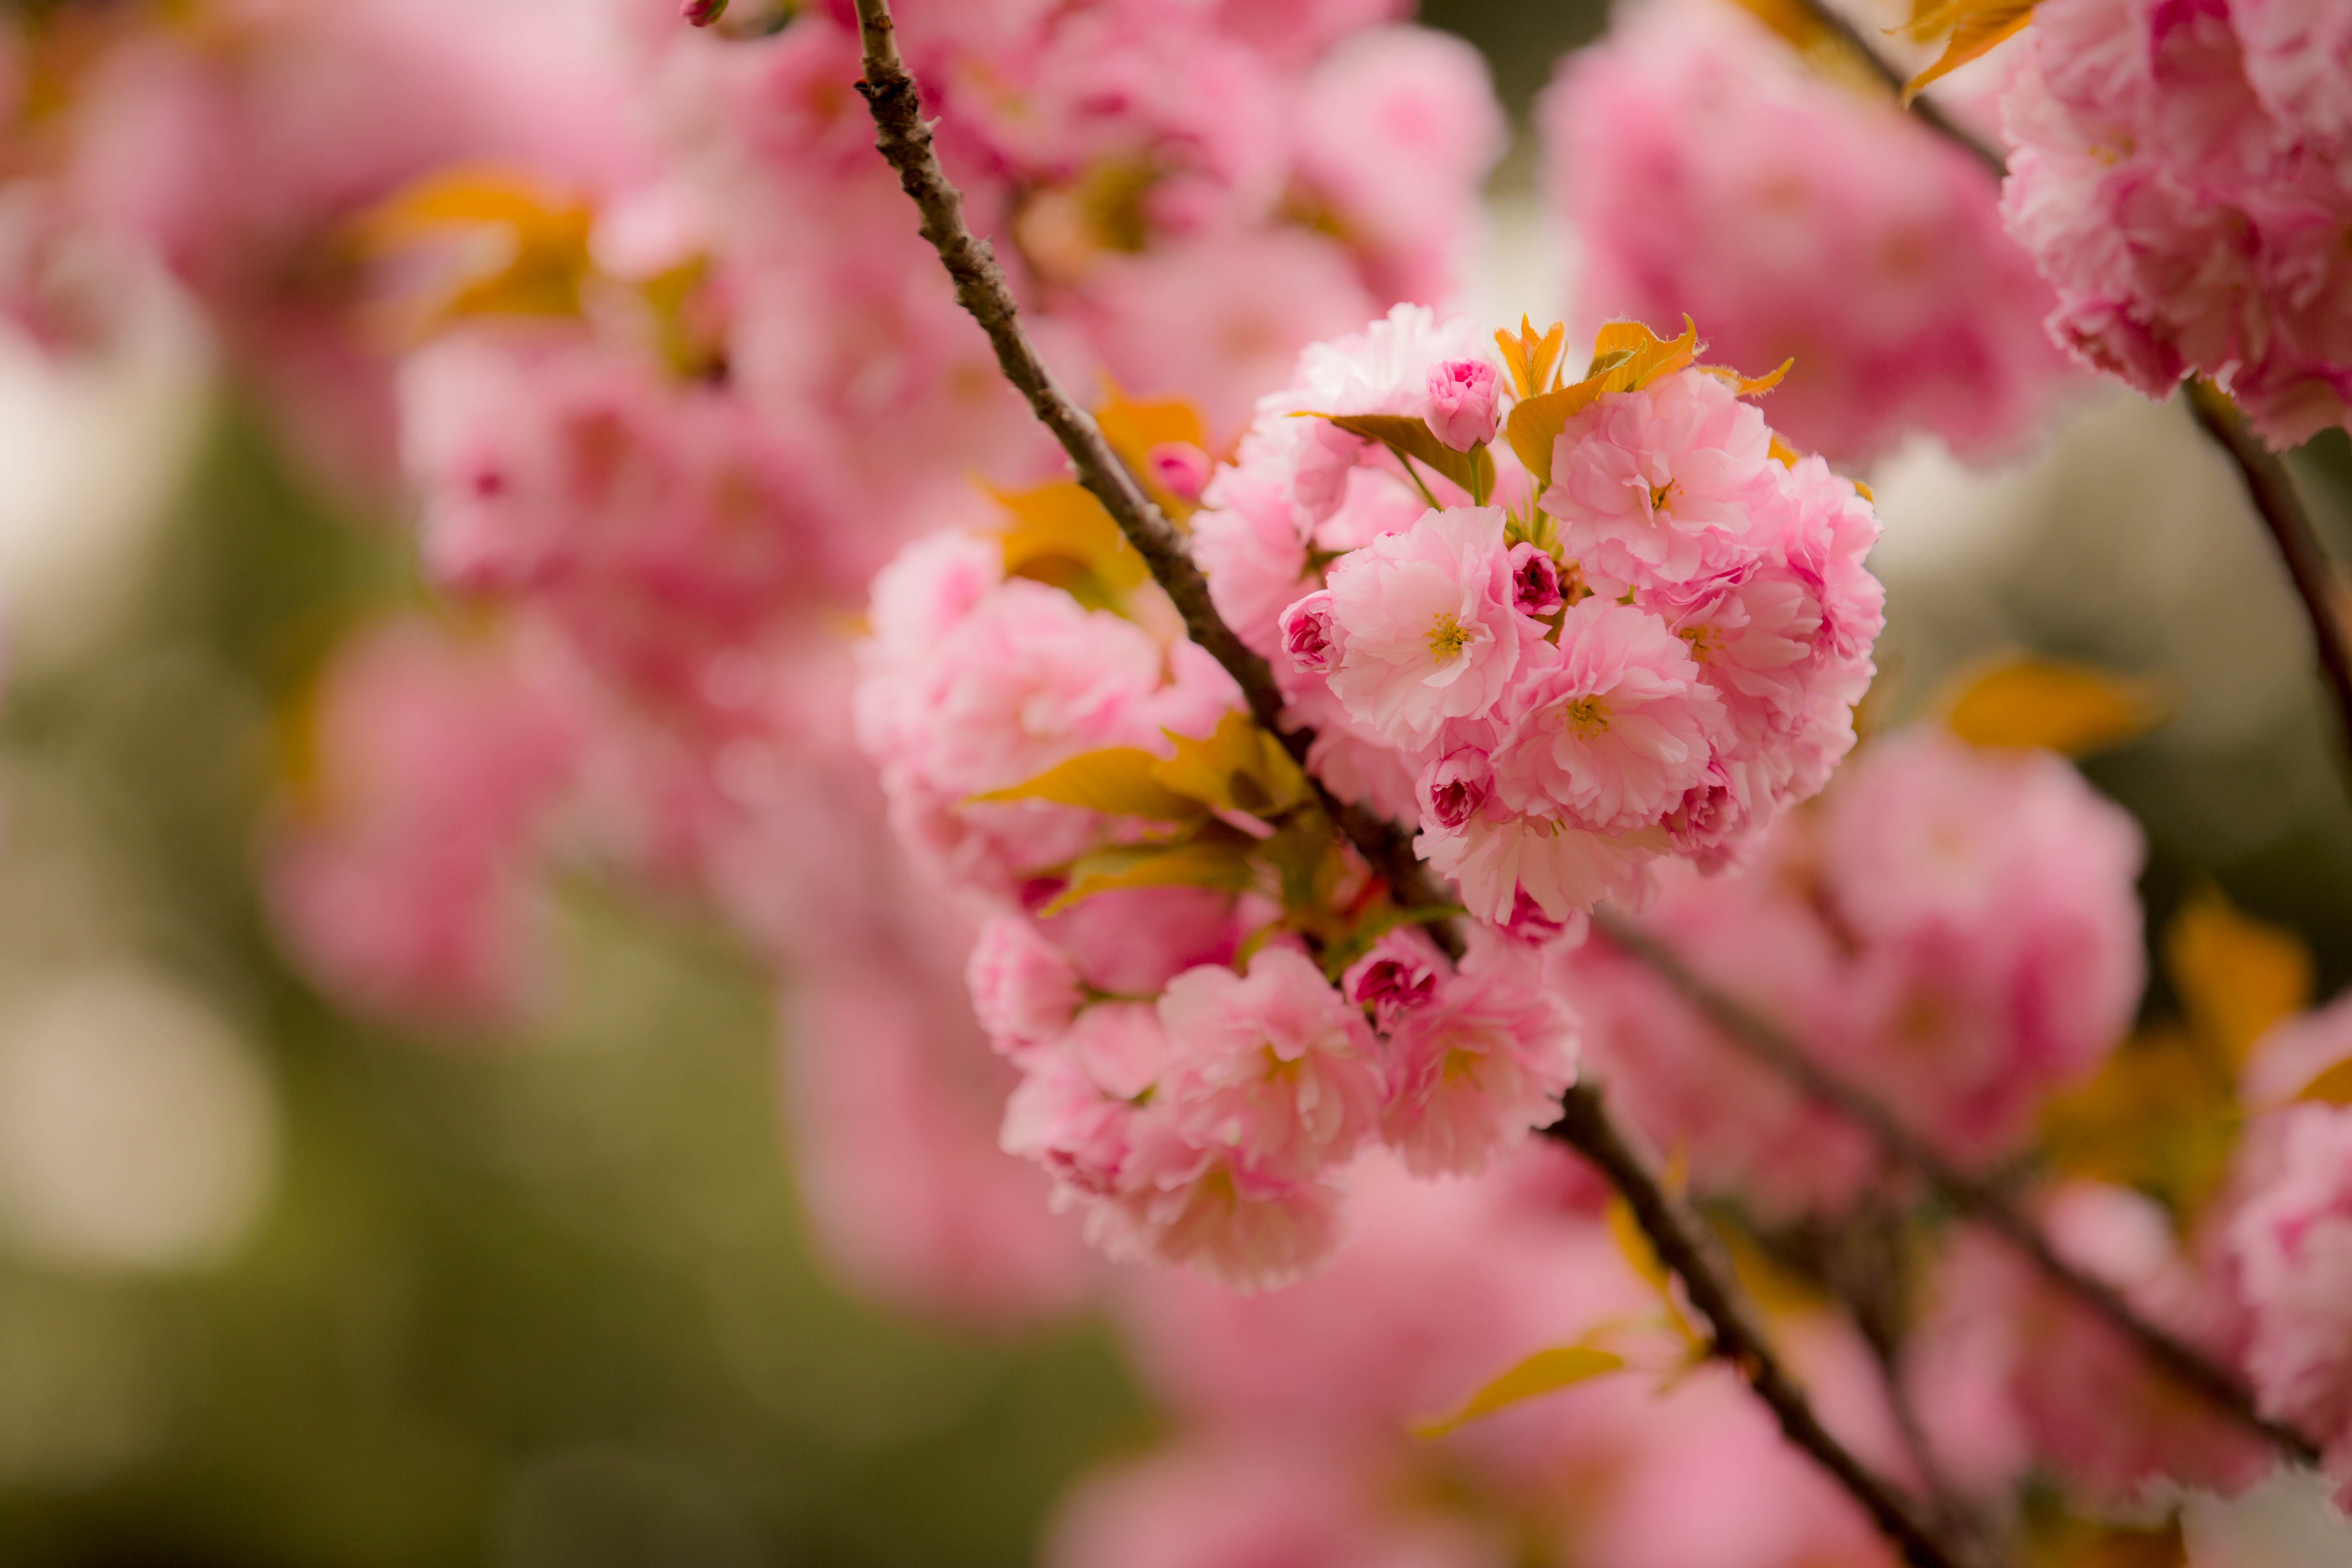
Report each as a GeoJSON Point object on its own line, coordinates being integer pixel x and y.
{"type": "Point", "coordinates": [2292, 1241]}
{"type": "Point", "coordinates": [1611, 731]}
{"type": "Point", "coordinates": [1396, 976]}
{"type": "Point", "coordinates": [1484, 1060]}
{"type": "Point", "coordinates": [1708, 169]}
{"type": "Point", "coordinates": [1427, 625]}
{"type": "Point", "coordinates": [1461, 407]}
{"type": "Point", "coordinates": [2175, 173]}
{"type": "Point", "coordinates": [1273, 1068]}
{"type": "Point", "coordinates": [1666, 484]}
{"type": "Point", "coordinates": [1023, 987]}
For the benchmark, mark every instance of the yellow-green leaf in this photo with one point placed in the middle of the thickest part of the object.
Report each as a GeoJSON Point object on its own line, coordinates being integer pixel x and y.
{"type": "Point", "coordinates": [1472, 471]}
{"type": "Point", "coordinates": [1239, 767]}
{"type": "Point", "coordinates": [1060, 526]}
{"type": "Point", "coordinates": [1536, 423]}
{"type": "Point", "coordinates": [2160, 1115]}
{"type": "Point", "coordinates": [2236, 976]}
{"type": "Point", "coordinates": [1546, 1371]}
{"type": "Point", "coordinates": [1977, 25]}
{"type": "Point", "coordinates": [1118, 781]}
{"type": "Point", "coordinates": [2075, 709]}
{"type": "Point", "coordinates": [1208, 861]}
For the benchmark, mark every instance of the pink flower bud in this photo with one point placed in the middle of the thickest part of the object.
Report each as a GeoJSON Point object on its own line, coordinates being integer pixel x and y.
{"type": "Point", "coordinates": [702, 13]}
{"type": "Point", "coordinates": [1309, 636]}
{"type": "Point", "coordinates": [1179, 467]}
{"type": "Point", "coordinates": [1456, 786]}
{"type": "Point", "coordinates": [1534, 581]}
{"type": "Point", "coordinates": [1462, 403]}
{"type": "Point", "coordinates": [1396, 976]}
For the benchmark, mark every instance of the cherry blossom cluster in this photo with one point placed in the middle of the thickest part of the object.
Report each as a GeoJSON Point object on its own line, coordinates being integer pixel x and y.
{"type": "Point", "coordinates": [1703, 168]}
{"type": "Point", "coordinates": [2183, 175]}
{"type": "Point", "coordinates": [1212, 1007]}
{"type": "Point", "coordinates": [1640, 634]}
{"type": "Point", "coordinates": [1647, 648]}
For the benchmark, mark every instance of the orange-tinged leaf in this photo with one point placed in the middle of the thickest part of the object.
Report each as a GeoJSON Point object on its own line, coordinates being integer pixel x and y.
{"type": "Point", "coordinates": [1788, 457]}
{"type": "Point", "coordinates": [1118, 781]}
{"type": "Point", "coordinates": [1545, 1371]}
{"type": "Point", "coordinates": [1530, 357]}
{"type": "Point", "coordinates": [1752, 385]}
{"type": "Point", "coordinates": [1134, 427]}
{"type": "Point", "coordinates": [2161, 1115]}
{"type": "Point", "coordinates": [2333, 1087]}
{"type": "Point", "coordinates": [498, 244]}
{"type": "Point", "coordinates": [1648, 356]}
{"type": "Point", "coordinates": [2075, 708]}
{"type": "Point", "coordinates": [1062, 521]}
{"type": "Point", "coordinates": [1977, 27]}
{"type": "Point", "coordinates": [2236, 976]}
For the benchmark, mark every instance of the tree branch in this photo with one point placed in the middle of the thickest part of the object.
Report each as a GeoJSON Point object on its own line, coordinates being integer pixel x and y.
{"type": "Point", "coordinates": [1685, 1245]}
{"type": "Point", "coordinates": [1586, 1123]}
{"type": "Point", "coordinates": [2280, 507]}
{"type": "Point", "coordinates": [1925, 109]}
{"type": "Point", "coordinates": [1764, 1041]}
{"type": "Point", "coordinates": [905, 139]}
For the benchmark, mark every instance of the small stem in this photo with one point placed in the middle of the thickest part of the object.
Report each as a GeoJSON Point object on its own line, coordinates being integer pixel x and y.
{"type": "Point", "coordinates": [2280, 506]}
{"type": "Point", "coordinates": [1686, 1246]}
{"type": "Point", "coordinates": [1764, 1041]}
{"type": "Point", "coordinates": [905, 141]}
{"type": "Point", "coordinates": [1418, 482]}
{"type": "Point", "coordinates": [1924, 109]}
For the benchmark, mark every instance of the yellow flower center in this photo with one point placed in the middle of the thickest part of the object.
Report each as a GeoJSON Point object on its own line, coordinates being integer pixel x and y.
{"type": "Point", "coordinates": [1703, 641]}
{"type": "Point", "coordinates": [1662, 497]}
{"type": "Point", "coordinates": [1447, 637]}
{"type": "Point", "coordinates": [1586, 717]}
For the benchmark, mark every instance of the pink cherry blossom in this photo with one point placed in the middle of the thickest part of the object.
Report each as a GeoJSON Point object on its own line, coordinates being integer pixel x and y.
{"type": "Point", "coordinates": [1611, 731]}
{"type": "Point", "coordinates": [2292, 1240]}
{"type": "Point", "coordinates": [1426, 625]}
{"type": "Point", "coordinates": [1666, 484]}
{"type": "Point", "coordinates": [1024, 991]}
{"type": "Point", "coordinates": [2176, 174]}
{"type": "Point", "coordinates": [1274, 1067]}
{"type": "Point", "coordinates": [1398, 975]}
{"type": "Point", "coordinates": [1483, 1061]}
{"type": "Point", "coordinates": [1462, 403]}
{"type": "Point", "coordinates": [1310, 636]}
{"type": "Point", "coordinates": [1709, 170]}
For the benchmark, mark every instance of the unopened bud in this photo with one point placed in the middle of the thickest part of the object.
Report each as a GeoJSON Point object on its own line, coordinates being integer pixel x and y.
{"type": "Point", "coordinates": [1180, 467]}
{"type": "Point", "coordinates": [702, 13]}
{"type": "Point", "coordinates": [1462, 403]}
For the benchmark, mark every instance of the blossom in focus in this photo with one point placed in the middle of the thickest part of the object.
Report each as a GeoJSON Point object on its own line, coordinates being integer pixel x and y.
{"type": "Point", "coordinates": [2178, 174]}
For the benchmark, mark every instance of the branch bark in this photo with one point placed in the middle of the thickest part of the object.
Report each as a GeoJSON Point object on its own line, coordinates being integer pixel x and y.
{"type": "Point", "coordinates": [1586, 1122]}
{"type": "Point", "coordinates": [1926, 110]}
{"type": "Point", "coordinates": [1764, 1041]}
{"type": "Point", "coordinates": [2280, 507]}
{"type": "Point", "coordinates": [905, 140]}
{"type": "Point", "coordinates": [1686, 1246]}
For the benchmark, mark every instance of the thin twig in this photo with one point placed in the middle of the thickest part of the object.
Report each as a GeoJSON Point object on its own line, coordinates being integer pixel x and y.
{"type": "Point", "coordinates": [1926, 110]}
{"type": "Point", "coordinates": [1764, 1041]}
{"type": "Point", "coordinates": [2280, 506]}
{"type": "Point", "coordinates": [905, 141]}
{"type": "Point", "coordinates": [1586, 1123]}
{"type": "Point", "coordinates": [1686, 1246]}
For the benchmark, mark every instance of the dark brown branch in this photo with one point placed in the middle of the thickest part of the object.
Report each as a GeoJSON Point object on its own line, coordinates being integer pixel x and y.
{"type": "Point", "coordinates": [1926, 110]}
{"type": "Point", "coordinates": [1686, 1246]}
{"type": "Point", "coordinates": [905, 141]}
{"type": "Point", "coordinates": [2277, 503]}
{"type": "Point", "coordinates": [1586, 1123]}
{"type": "Point", "coordinates": [1979, 1201]}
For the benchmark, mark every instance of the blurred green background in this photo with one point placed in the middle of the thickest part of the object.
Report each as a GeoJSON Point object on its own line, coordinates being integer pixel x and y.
{"type": "Point", "coordinates": [552, 1306]}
